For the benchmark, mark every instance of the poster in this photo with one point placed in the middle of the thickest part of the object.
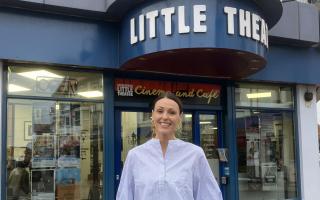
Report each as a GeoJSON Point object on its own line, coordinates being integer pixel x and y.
{"type": "Point", "coordinates": [269, 176]}
{"type": "Point", "coordinates": [68, 183]}
{"type": "Point", "coordinates": [43, 151]}
{"type": "Point", "coordinates": [67, 176]}
{"type": "Point", "coordinates": [252, 152]}
{"type": "Point", "coordinates": [223, 154]}
{"type": "Point", "coordinates": [252, 126]}
{"type": "Point", "coordinates": [44, 118]}
{"type": "Point", "coordinates": [69, 151]}
{"type": "Point", "coordinates": [42, 185]}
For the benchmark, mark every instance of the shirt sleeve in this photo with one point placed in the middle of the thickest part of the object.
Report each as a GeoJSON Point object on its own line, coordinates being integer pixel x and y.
{"type": "Point", "coordinates": [205, 185]}
{"type": "Point", "coordinates": [126, 186]}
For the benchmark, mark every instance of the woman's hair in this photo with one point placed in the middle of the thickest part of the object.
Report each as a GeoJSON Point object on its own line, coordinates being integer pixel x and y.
{"type": "Point", "coordinates": [168, 95]}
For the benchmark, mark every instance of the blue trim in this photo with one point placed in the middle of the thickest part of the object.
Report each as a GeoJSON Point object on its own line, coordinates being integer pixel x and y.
{"type": "Point", "coordinates": [3, 147]}
{"type": "Point", "coordinates": [221, 138]}
{"type": "Point", "coordinates": [118, 148]}
{"type": "Point", "coordinates": [231, 142]}
{"type": "Point", "coordinates": [196, 128]}
{"type": "Point", "coordinates": [297, 145]}
{"type": "Point", "coordinates": [109, 156]}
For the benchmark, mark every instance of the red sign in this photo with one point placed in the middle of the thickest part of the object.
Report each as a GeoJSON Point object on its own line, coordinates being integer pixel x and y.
{"type": "Point", "coordinates": [191, 93]}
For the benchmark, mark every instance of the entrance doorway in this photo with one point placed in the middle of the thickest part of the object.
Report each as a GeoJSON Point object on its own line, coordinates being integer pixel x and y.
{"type": "Point", "coordinates": [201, 128]}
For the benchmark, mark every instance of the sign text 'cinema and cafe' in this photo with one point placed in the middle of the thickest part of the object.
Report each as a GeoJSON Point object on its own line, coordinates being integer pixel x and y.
{"type": "Point", "coordinates": [250, 25]}
{"type": "Point", "coordinates": [147, 90]}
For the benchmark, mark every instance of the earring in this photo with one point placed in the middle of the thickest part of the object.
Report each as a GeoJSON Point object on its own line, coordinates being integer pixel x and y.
{"type": "Point", "coordinates": [153, 128]}
{"type": "Point", "coordinates": [179, 128]}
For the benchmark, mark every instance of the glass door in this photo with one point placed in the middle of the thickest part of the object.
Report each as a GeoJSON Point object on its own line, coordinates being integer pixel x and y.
{"type": "Point", "coordinates": [209, 141]}
{"type": "Point", "coordinates": [134, 128]}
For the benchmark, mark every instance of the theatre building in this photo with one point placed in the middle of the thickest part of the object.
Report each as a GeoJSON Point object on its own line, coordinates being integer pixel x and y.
{"type": "Point", "coordinates": [78, 76]}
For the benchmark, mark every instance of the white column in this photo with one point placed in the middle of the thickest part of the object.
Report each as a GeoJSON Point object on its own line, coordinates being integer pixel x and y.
{"type": "Point", "coordinates": [1, 147]}
{"type": "Point", "coordinates": [308, 144]}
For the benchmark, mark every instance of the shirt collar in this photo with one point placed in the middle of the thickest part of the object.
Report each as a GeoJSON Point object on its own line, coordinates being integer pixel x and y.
{"type": "Point", "coordinates": [171, 142]}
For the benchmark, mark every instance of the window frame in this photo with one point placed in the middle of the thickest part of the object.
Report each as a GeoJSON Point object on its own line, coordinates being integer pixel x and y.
{"type": "Point", "coordinates": [6, 97]}
{"type": "Point", "coordinates": [293, 110]}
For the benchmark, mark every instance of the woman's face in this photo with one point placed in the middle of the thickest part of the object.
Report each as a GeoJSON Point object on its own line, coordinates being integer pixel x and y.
{"type": "Point", "coordinates": [166, 117]}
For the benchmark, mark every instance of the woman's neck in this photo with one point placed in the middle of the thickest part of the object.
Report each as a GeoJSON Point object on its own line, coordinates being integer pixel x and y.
{"type": "Point", "coordinates": [164, 140]}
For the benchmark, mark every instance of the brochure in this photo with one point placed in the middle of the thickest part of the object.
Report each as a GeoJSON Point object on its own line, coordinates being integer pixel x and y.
{"type": "Point", "coordinates": [43, 151]}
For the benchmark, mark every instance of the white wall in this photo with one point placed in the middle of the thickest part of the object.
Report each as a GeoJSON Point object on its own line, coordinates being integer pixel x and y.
{"type": "Point", "coordinates": [1, 92]}
{"type": "Point", "coordinates": [308, 143]}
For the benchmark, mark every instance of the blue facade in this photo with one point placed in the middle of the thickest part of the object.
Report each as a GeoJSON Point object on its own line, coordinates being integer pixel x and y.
{"type": "Point", "coordinates": [69, 41]}
{"type": "Point", "coordinates": [292, 65]}
{"type": "Point", "coordinates": [47, 38]}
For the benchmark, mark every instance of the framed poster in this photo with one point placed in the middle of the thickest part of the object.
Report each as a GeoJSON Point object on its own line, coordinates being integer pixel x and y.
{"type": "Point", "coordinates": [43, 184]}
{"type": "Point", "coordinates": [43, 151]}
{"type": "Point", "coordinates": [68, 183]}
{"type": "Point", "coordinates": [269, 176]}
{"type": "Point", "coordinates": [27, 130]}
{"type": "Point", "coordinates": [69, 151]}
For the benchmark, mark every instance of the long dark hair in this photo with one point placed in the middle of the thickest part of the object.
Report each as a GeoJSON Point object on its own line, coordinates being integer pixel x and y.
{"type": "Point", "coordinates": [168, 95]}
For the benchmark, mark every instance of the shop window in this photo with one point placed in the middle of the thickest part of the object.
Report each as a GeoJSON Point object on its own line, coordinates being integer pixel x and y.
{"type": "Point", "coordinates": [263, 96]}
{"type": "Point", "coordinates": [54, 147]}
{"type": "Point", "coordinates": [266, 144]}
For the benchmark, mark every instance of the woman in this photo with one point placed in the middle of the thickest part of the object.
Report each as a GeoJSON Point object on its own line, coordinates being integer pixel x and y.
{"type": "Point", "coordinates": [166, 168]}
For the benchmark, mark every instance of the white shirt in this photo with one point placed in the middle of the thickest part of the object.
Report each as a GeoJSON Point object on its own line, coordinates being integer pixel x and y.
{"type": "Point", "coordinates": [183, 174]}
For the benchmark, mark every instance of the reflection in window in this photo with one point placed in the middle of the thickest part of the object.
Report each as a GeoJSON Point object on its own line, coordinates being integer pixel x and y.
{"type": "Point", "coordinates": [29, 81]}
{"type": "Point", "coordinates": [136, 129]}
{"type": "Point", "coordinates": [255, 95]}
{"type": "Point", "coordinates": [209, 141]}
{"type": "Point", "coordinates": [266, 158]}
{"type": "Point", "coordinates": [54, 150]}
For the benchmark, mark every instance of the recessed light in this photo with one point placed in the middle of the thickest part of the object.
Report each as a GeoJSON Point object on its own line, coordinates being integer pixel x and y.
{"type": "Point", "coordinates": [142, 58]}
{"type": "Point", "coordinates": [258, 95]}
{"type": "Point", "coordinates": [17, 88]}
{"type": "Point", "coordinates": [91, 94]}
{"type": "Point", "coordinates": [40, 75]}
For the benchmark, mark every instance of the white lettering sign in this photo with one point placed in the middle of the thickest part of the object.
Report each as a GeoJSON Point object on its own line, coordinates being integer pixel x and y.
{"type": "Point", "coordinates": [125, 90]}
{"type": "Point", "coordinates": [250, 25]}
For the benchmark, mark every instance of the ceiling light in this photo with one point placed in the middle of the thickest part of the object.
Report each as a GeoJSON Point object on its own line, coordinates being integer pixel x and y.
{"type": "Point", "coordinates": [40, 75]}
{"type": "Point", "coordinates": [17, 88]}
{"type": "Point", "coordinates": [258, 95]}
{"type": "Point", "coordinates": [205, 122]}
{"type": "Point", "coordinates": [188, 115]}
{"type": "Point", "coordinates": [91, 94]}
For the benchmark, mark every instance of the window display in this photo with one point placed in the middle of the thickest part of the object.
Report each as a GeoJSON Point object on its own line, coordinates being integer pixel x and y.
{"type": "Point", "coordinates": [54, 148]}
{"type": "Point", "coordinates": [209, 141]}
{"type": "Point", "coordinates": [266, 165]}
{"type": "Point", "coordinates": [265, 142]}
